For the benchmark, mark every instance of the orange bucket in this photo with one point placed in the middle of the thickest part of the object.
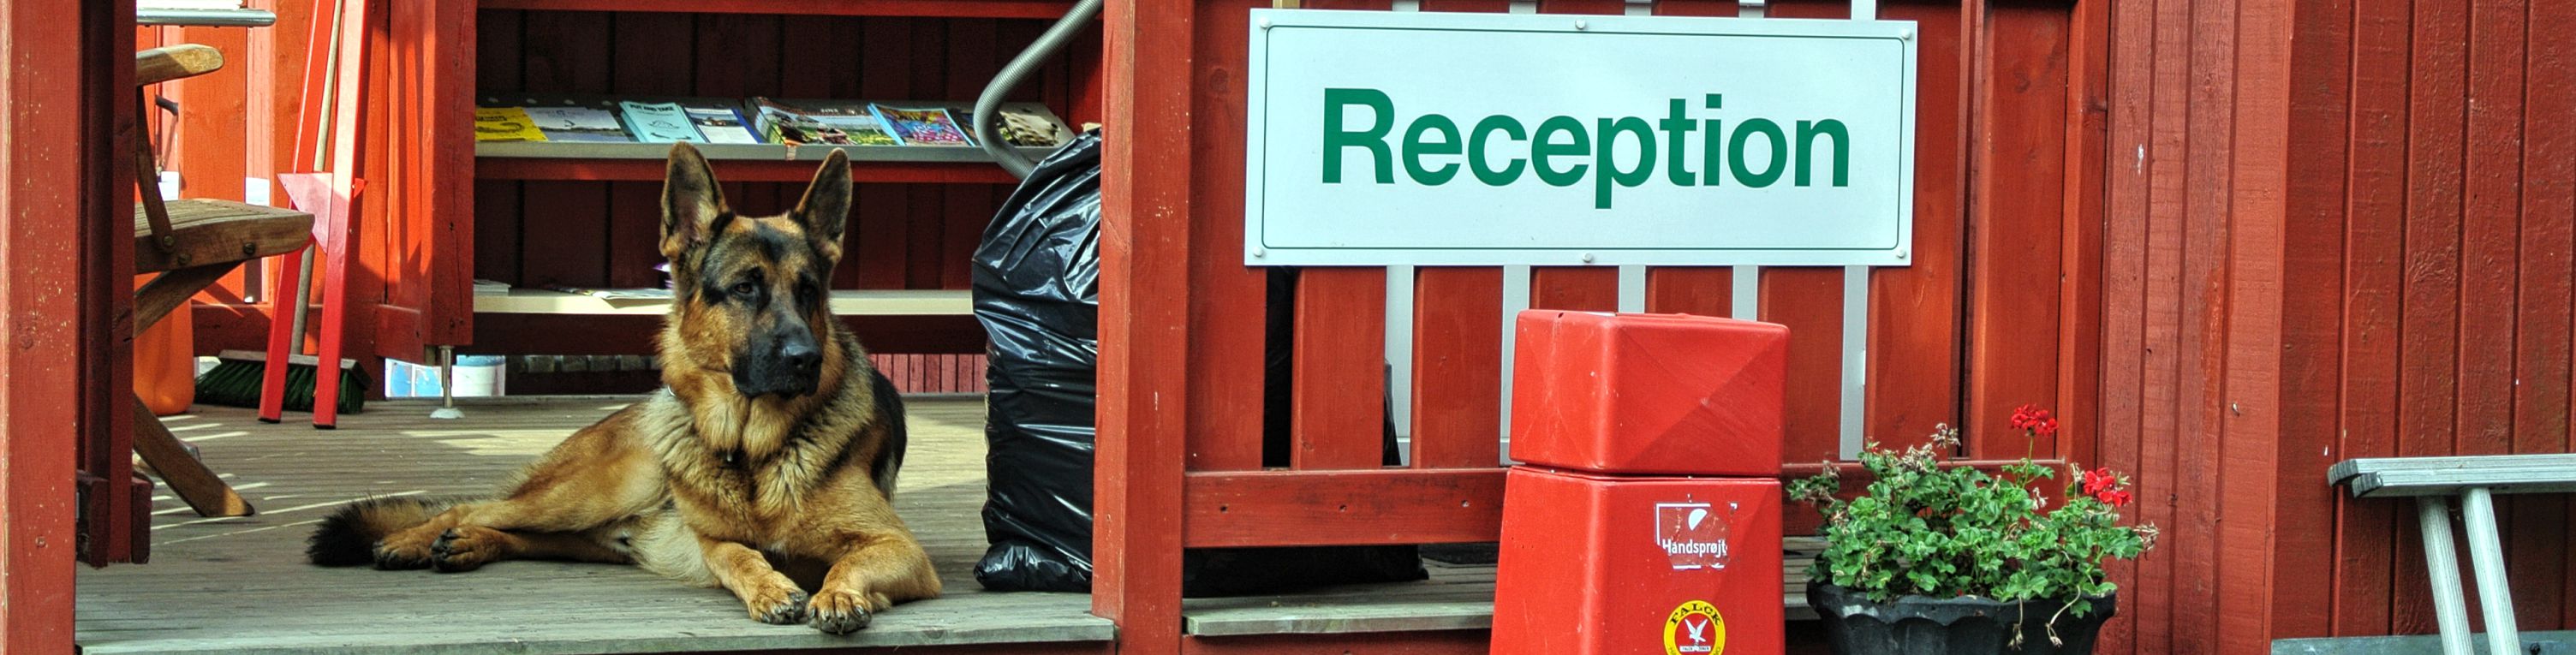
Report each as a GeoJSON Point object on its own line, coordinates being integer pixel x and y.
{"type": "Point", "coordinates": [165, 361]}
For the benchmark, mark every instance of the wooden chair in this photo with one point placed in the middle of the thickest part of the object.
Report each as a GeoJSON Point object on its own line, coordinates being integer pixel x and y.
{"type": "Point", "coordinates": [191, 244]}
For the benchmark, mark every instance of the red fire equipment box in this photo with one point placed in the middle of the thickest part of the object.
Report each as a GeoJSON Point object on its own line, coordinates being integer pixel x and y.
{"type": "Point", "coordinates": [1649, 393]}
{"type": "Point", "coordinates": [1622, 531]}
{"type": "Point", "coordinates": [1600, 565]}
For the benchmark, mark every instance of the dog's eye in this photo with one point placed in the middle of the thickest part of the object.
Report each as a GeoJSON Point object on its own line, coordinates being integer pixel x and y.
{"type": "Point", "coordinates": [745, 288]}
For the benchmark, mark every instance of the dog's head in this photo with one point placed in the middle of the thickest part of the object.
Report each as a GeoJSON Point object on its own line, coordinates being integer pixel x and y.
{"type": "Point", "coordinates": [752, 295]}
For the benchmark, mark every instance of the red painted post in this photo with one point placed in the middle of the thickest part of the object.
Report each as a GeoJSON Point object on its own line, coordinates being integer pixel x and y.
{"type": "Point", "coordinates": [1144, 324]}
{"type": "Point", "coordinates": [63, 96]}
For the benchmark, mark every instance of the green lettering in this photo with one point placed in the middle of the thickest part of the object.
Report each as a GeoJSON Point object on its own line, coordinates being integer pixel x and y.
{"type": "Point", "coordinates": [1712, 152]}
{"type": "Point", "coordinates": [1415, 148]}
{"type": "Point", "coordinates": [1779, 152]}
{"type": "Point", "coordinates": [1476, 150]}
{"type": "Point", "coordinates": [1610, 172]}
{"type": "Point", "coordinates": [1541, 148]}
{"type": "Point", "coordinates": [1807, 132]}
{"type": "Point", "coordinates": [1677, 126]}
{"type": "Point", "coordinates": [1374, 139]}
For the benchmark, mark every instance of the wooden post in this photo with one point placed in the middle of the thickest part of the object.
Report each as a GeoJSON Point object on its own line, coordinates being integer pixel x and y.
{"type": "Point", "coordinates": [1144, 321]}
{"type": "Point", "coordinates": [64, 97]}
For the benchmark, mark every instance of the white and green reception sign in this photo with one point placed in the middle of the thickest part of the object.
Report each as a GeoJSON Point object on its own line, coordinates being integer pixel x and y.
{"type": "Point", "coordinates": [1380, 138]}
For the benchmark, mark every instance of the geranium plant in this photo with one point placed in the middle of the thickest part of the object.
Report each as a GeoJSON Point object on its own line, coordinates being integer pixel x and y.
{"type": "Point", "coordinates": [1926, 528]}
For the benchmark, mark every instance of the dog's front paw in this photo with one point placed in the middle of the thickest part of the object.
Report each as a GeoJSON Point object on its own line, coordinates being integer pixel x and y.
{"type": "Point", "coordinates": [464, 549]}
{"type": "Point", "coordinates": [841, 611]}
{"type": "Point", "coordinates": [779, 605]}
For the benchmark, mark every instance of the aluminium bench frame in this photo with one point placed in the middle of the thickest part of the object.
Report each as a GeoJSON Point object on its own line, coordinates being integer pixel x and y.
{"type": "Point", "coordinates": [2476, 479]}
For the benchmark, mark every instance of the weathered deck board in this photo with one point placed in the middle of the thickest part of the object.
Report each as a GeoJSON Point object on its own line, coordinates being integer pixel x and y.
{"type": "Point", "coordinates": [241, 586]}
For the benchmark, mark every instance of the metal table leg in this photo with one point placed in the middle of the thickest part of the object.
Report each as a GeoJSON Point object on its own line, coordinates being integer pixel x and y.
{"type": "Point", "coordinates": [2495, 593]}
{"type": "Point", "coordinates": [2450, 608]}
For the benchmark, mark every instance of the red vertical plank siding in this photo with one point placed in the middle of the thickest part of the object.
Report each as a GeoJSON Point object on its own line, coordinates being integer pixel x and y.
{"type": "Point", "coordinates": [1815, 358]}
{"type": "Point", "coordinates": [2079, 376]}
{"type": "Point", "coordinates": [1457, 378]}
{"type": "Point", "coordinates": [2248, 405]}
{"type": "Point", "coordinates": [886, 212]}
{"type": "Point", "coordinates": [1587, 288]}
{"type": "Point", "coordinates": [1339, 369]}
{"type": "Point", "coordinates": [2374, 292]}
{"type": "Point", "coordinates": [1915, 311]}
{"type": "Point", "coordinates": [2124, 299]}
{"type": "Point", "coordinates": [2429, 351]}
{"type": "Point", "coordinates": [2193, 537]}
{"type": "Point", "coordinates": [2156, 481]}
{"type": "Point", "coordinates": [2017, 219]}
{"type": "Point", "coordinates": [2312, 314]}
{"type": "Point", "coordinates": [924, 235]}
{"type": "Point", "coordinates": [1227, 330]}
{"type": "Point", "coordinates": [2490, 231]}
{"type": "Point", "coordinates": [1701, 290]}
{"type": "Point", "coordinates": [2541, 402]}
{"type": "Point", "coordinates": [2490, 223]}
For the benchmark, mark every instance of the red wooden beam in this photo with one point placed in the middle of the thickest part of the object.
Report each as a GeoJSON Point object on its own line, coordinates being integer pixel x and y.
{"type": "Point", "coordinates": [1145, 293]}
{"type": "Point", "coordinates": [1042, 9]}
{"type": "Point", "coordinates": [63, 99]}
{"type": "Point", "coordinates": [651, 170]}
{"type": "Point", "coordinates": [1359, 507]}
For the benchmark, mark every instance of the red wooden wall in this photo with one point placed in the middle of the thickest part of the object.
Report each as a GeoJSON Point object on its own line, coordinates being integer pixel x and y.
{"type": "Point", "coordinates": [2337, 228]}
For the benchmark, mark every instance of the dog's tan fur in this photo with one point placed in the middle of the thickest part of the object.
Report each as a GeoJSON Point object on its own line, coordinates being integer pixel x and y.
{"type": "Point", "coordinates": [700, 482]}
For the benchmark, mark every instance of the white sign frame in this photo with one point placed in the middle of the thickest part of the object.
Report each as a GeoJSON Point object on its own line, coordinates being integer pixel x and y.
{"type": "Point", "coordinates": [1260, 252]}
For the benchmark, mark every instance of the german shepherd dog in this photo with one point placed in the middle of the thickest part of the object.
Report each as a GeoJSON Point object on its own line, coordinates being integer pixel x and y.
{"type": "Point", "coordinates": [773, 439]}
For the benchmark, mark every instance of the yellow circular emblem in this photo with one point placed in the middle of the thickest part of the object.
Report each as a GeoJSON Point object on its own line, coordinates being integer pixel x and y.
{"type": "Point", "coordinates": [1695, 629]}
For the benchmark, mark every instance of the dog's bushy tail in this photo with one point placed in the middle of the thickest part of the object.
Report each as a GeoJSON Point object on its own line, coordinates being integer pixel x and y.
{"type": "Point", "coordinates": [348, 536]}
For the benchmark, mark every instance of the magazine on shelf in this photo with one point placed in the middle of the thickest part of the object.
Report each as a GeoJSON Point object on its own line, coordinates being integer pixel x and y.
{"type": "Point", "coordinates": [720, 123]}
{"type": "Point", "coordinates": [923, 126]}
{"type": "Point", "coordinates": [505, 124]}
{"type": "Point", "coordinates": [617, 296]}
{"type": "Point", "coordinates": [577, 122]}
{"type": "Point", "coordinates": [821, 124]}
{"type": "Point", "coordinates": [658, 122]}
{"type": "Point", "coordinates": [1019, 127]}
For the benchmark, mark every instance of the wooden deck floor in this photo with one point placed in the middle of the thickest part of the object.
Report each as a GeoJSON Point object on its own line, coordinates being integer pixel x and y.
{"type": "Point", "coordinates": [241, 586]}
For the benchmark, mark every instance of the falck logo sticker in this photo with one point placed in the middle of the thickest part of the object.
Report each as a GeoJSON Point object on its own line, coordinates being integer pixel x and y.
{"type": "Point", "coordinates": [1693, 535]}
{"type": "Point", "coordinates": [1695, 628]}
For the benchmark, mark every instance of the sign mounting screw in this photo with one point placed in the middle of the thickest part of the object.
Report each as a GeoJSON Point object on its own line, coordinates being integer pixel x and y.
{"type": "Point", "coordinates": [1587, 258]}
{"type": "Point", "coordinates": [1901, 253]}
{"type": "Point", "coordinates": [1579, 25]}
{"type": "Point", "coordinates": [1265, 24]}
{"type": "Point", "coordinates": [1261, 252]}
{"type": "Point", "coordinates": [1904, 34]}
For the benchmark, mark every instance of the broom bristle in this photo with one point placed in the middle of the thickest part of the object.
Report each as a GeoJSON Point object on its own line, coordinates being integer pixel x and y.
{"type": "Point", "coordinates": [236, 383]}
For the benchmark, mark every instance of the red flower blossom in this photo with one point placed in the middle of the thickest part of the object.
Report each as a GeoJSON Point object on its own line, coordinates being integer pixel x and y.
{"type": "Point", "coordinates": [2022, 418]}
{"type": "Point", "coordinates": [2115, 497]}
{"type": "Point", "coordinates": [2097, 480]}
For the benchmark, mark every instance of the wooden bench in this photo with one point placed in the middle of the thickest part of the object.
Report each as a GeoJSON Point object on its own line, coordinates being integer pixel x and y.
{"type": "Point", "coordinates": [2475, 479]}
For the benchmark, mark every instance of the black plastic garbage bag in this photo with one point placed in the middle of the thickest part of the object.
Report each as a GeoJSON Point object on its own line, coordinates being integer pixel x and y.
{"type": "Point", "coordinates": [1036, 291]}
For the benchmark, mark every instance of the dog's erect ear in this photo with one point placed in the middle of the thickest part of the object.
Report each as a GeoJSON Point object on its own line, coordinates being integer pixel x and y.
{"type": "Point", "coordinates": [690, 202]}
{"type": "Point", "coordinates": [827, 204]}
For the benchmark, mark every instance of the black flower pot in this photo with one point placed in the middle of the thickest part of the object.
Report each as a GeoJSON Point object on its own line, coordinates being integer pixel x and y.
{"type": "Point", "coordinates": [1916, 625]}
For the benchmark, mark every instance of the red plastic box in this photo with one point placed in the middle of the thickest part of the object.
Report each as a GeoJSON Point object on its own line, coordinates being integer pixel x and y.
{"type": "Point", "coordinates": [1601, 565]}
{"type": "Point", "coordinates": [1649, 393]}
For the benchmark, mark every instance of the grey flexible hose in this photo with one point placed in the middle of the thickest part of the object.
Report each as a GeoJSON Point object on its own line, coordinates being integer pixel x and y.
{"type": "Point", "coordinates": [988, 106]}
